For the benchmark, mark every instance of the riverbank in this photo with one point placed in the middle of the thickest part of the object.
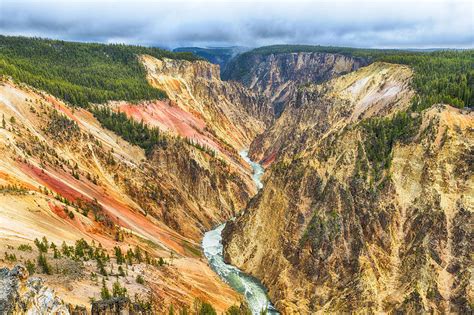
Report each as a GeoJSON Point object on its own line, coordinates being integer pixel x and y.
{"type": "Point", "coordinates": [251, 288]}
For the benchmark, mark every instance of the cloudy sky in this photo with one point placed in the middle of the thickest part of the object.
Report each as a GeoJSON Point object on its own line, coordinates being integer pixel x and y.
{"type": "Point", "coordinates": [382, 23]}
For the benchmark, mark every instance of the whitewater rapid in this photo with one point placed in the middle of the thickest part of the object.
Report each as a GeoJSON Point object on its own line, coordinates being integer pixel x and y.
{"type": "Point", "coordinates": [256, 167]}
{"type": "Point", "coordinates": [255, 293]}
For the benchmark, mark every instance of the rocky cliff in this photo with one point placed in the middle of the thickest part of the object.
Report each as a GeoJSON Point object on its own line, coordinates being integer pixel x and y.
{"type": "Point", "coordinates": [22, 295]}
{"type": "Point", "coordinates": [277, 76]}
{"type": "Point", "coordinates": [348, 221]}
{"type": "Point", "coordinates": [231, 111]}
{"type": "Point", "coordinates": [64, 177]}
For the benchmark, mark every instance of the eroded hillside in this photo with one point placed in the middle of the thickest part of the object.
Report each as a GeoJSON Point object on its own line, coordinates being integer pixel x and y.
{"type": "Point", "coordinates": [64, 177]}
{"type": "Point", "coordinates": [231, 111]}
{"type": "Point", "coordinates": [277, 76]}
{"type": "Point", "coordinates": [107, 188]}
{"type": "Point", "coordinates": [364, 207]}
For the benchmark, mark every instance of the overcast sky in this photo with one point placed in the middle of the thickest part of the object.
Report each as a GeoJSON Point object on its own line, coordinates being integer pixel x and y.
{"type": "Point", "coordinates": [382, 23]}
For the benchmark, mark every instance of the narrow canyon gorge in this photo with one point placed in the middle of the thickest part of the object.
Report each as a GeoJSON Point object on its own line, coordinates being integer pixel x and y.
{"type": "Point", "coordinates": [293, 181]}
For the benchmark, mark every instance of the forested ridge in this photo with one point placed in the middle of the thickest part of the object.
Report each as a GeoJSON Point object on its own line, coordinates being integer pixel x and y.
{"type": "Point", "coordinates": [140, 133]}
{"type": "Point", "coordinates": [443, 76]}
{"type": "Point", "coordinates": [130, 130]}
{"type": "Point", "coordinates": [81, 73]}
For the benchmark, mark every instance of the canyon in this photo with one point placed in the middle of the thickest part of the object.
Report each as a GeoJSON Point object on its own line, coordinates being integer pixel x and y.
{"type": "Point", "coordinates": [365, 205]}
{"type": "Point", "coordinates": [329, 233]}
{"type": "Point", "coordinates": [59, 160]}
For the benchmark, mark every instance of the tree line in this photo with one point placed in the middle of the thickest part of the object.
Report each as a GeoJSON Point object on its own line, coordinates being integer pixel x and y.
{"type": "Point", "coordinates": [81, 73]}
{"type": "Point", "coordinates": [441, 76]}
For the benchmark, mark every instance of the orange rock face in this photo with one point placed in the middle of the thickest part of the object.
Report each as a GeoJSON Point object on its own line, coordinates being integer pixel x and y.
{"type": "Point", "coordinates": [161, 203]}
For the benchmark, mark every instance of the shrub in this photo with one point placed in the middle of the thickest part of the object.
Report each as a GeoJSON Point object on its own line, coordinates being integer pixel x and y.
{"type": "Point", "coordinates": [118, 255]}
{"type": "Point", "coordinates": [140, 280]}
{"type": "Point", "coordinates": [31, 267]}
{"type": "Point", "coordinates": [42, 245]}
{"type": "Point", "coordinates": [120, 271]}
{"type": "Point", "coordinates": [25, 248]}
{"type": "Point", "coordinates": [118, 290]}
{"type": "Point", "coordinates": [10, 257]}
{"type": "Point", "coordinates": [43, 264]}
{"type": "Point", "coordinates": [104, 291]}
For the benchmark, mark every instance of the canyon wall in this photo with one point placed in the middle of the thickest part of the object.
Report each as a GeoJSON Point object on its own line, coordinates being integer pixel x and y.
{"type": "Point", "coordinates": [348, 221]}
{"type": "Point", "coordinates": [278, 76]}
{"type": "Point", "coordinates": [65, 177]}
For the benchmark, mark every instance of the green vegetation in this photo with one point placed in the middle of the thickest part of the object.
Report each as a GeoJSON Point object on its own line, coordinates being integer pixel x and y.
{"type": "Point", "coordinates": [134, 132]}
{"type": "Point", "coordinates": [140, 279]}
{"type": "Point", "coordinates": [104, 291]}
{"type": "Point", "coordinates": [93, 206]}
{"type": "Point", "coordinates": [13, 189]}
{"type": "Point", "coordinates": [203, 148]}
{"type": "Point", "coordinates": [207, 309]}
{"type": "Point", "coordinates": [81, 73]}
{"type": "Point", "coordinates": [42, 245]}
{"type": "Point", "coordinates": [203, 308]}
{"type": "Point", "coordinates": [43, 264]}
{"type": "Point", "coordinates": [25, 248]}
{"type": "Point", "coordinates": [62, 127]}
{"type": "Point", "coordinates": [322, 229]}
{"type": "Point", "coordinates": [118, 290]}
{"type": "Point", "coordinates": [382, 134]}
{"type": "Point", "coordinates": [10, 257]}
{"type": "Point", "coordinates": [242, 310]}
{"type": "Point", "coordinates": [141, 134]}
{"type": "Point", "coordinates": [440, 77]}
{"type": "Point", "coordinates": [118, 255]}
{"type": "Point", "coordinates": [31, 267]}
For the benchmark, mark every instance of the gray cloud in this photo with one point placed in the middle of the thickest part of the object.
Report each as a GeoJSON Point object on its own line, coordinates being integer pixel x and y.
{"type": "Point", "coordinates": [383, 23]}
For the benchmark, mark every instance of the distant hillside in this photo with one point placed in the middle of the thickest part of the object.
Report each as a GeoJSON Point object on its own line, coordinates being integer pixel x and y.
{"type": "Point", "coordinates": [216, 55]}
{"type": "Point", "coordinates": [81, 73]}
{"type": "Point", "coordinates": [444, 76]}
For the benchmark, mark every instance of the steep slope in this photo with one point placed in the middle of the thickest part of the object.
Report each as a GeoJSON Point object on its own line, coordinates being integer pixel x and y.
{"type": "Point", "coordinates": [229, 111]}
{"type": "Point", "coordinates": [278, 75]}
{"type": "Point", "coordinates": [64, 177]}
{"type": "Point", "coordinates": [371, 91]}
{"type": "Point", "coordinates": [350, 222]}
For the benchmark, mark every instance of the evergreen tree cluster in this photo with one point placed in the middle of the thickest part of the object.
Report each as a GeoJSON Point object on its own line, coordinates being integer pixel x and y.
{"type": "Point", "coordinates": [382, 134]}
{"type": "Point", "coordinates": [141, 134]}
{"type": "Point", "coordinates": [62, 127]}
{"type": "Point", "coordinates": [13, 189]}
{"type": "Point", "coordinates": [130, 130]}
{"type": "Point", "coordinates": [81, 73]}
{"type": "Point", "coordinates": [440, 77]}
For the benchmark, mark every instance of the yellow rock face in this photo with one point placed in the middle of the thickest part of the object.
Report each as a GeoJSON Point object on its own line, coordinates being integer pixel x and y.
{"type": "Point", "coordinates": [162, 203]}
{"type": "Point", "coordinates": [325, 234]}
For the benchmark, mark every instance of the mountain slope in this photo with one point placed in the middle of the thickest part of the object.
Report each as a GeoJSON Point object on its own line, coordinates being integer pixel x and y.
{"type": "Point", "coordinates": [230, 111]}
{"type": "Point", "coordinates": [278, 75]}
{"type": "Point", "coordinates": [67, 180]}
{"type": "Point", "coordinates": [349, 222]}
{"type": "Point", "coordinates": [64, 177]}
{"type": "Point", "coordinates": [439, 77]}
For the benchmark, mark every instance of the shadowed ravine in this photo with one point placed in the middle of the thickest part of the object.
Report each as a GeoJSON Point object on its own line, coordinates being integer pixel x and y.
{"type": "Point", "coordinates": [254, 292]}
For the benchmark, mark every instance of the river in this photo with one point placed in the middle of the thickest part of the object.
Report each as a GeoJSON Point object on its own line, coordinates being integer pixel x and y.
{"type": "Point", "coordinates": [254, 292]}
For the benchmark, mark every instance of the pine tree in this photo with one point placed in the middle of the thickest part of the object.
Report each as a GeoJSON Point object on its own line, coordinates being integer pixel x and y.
{"type": "Point", "coordinates": [104, 292]}
{"type": "Point", "coordinates": [43, 264]}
